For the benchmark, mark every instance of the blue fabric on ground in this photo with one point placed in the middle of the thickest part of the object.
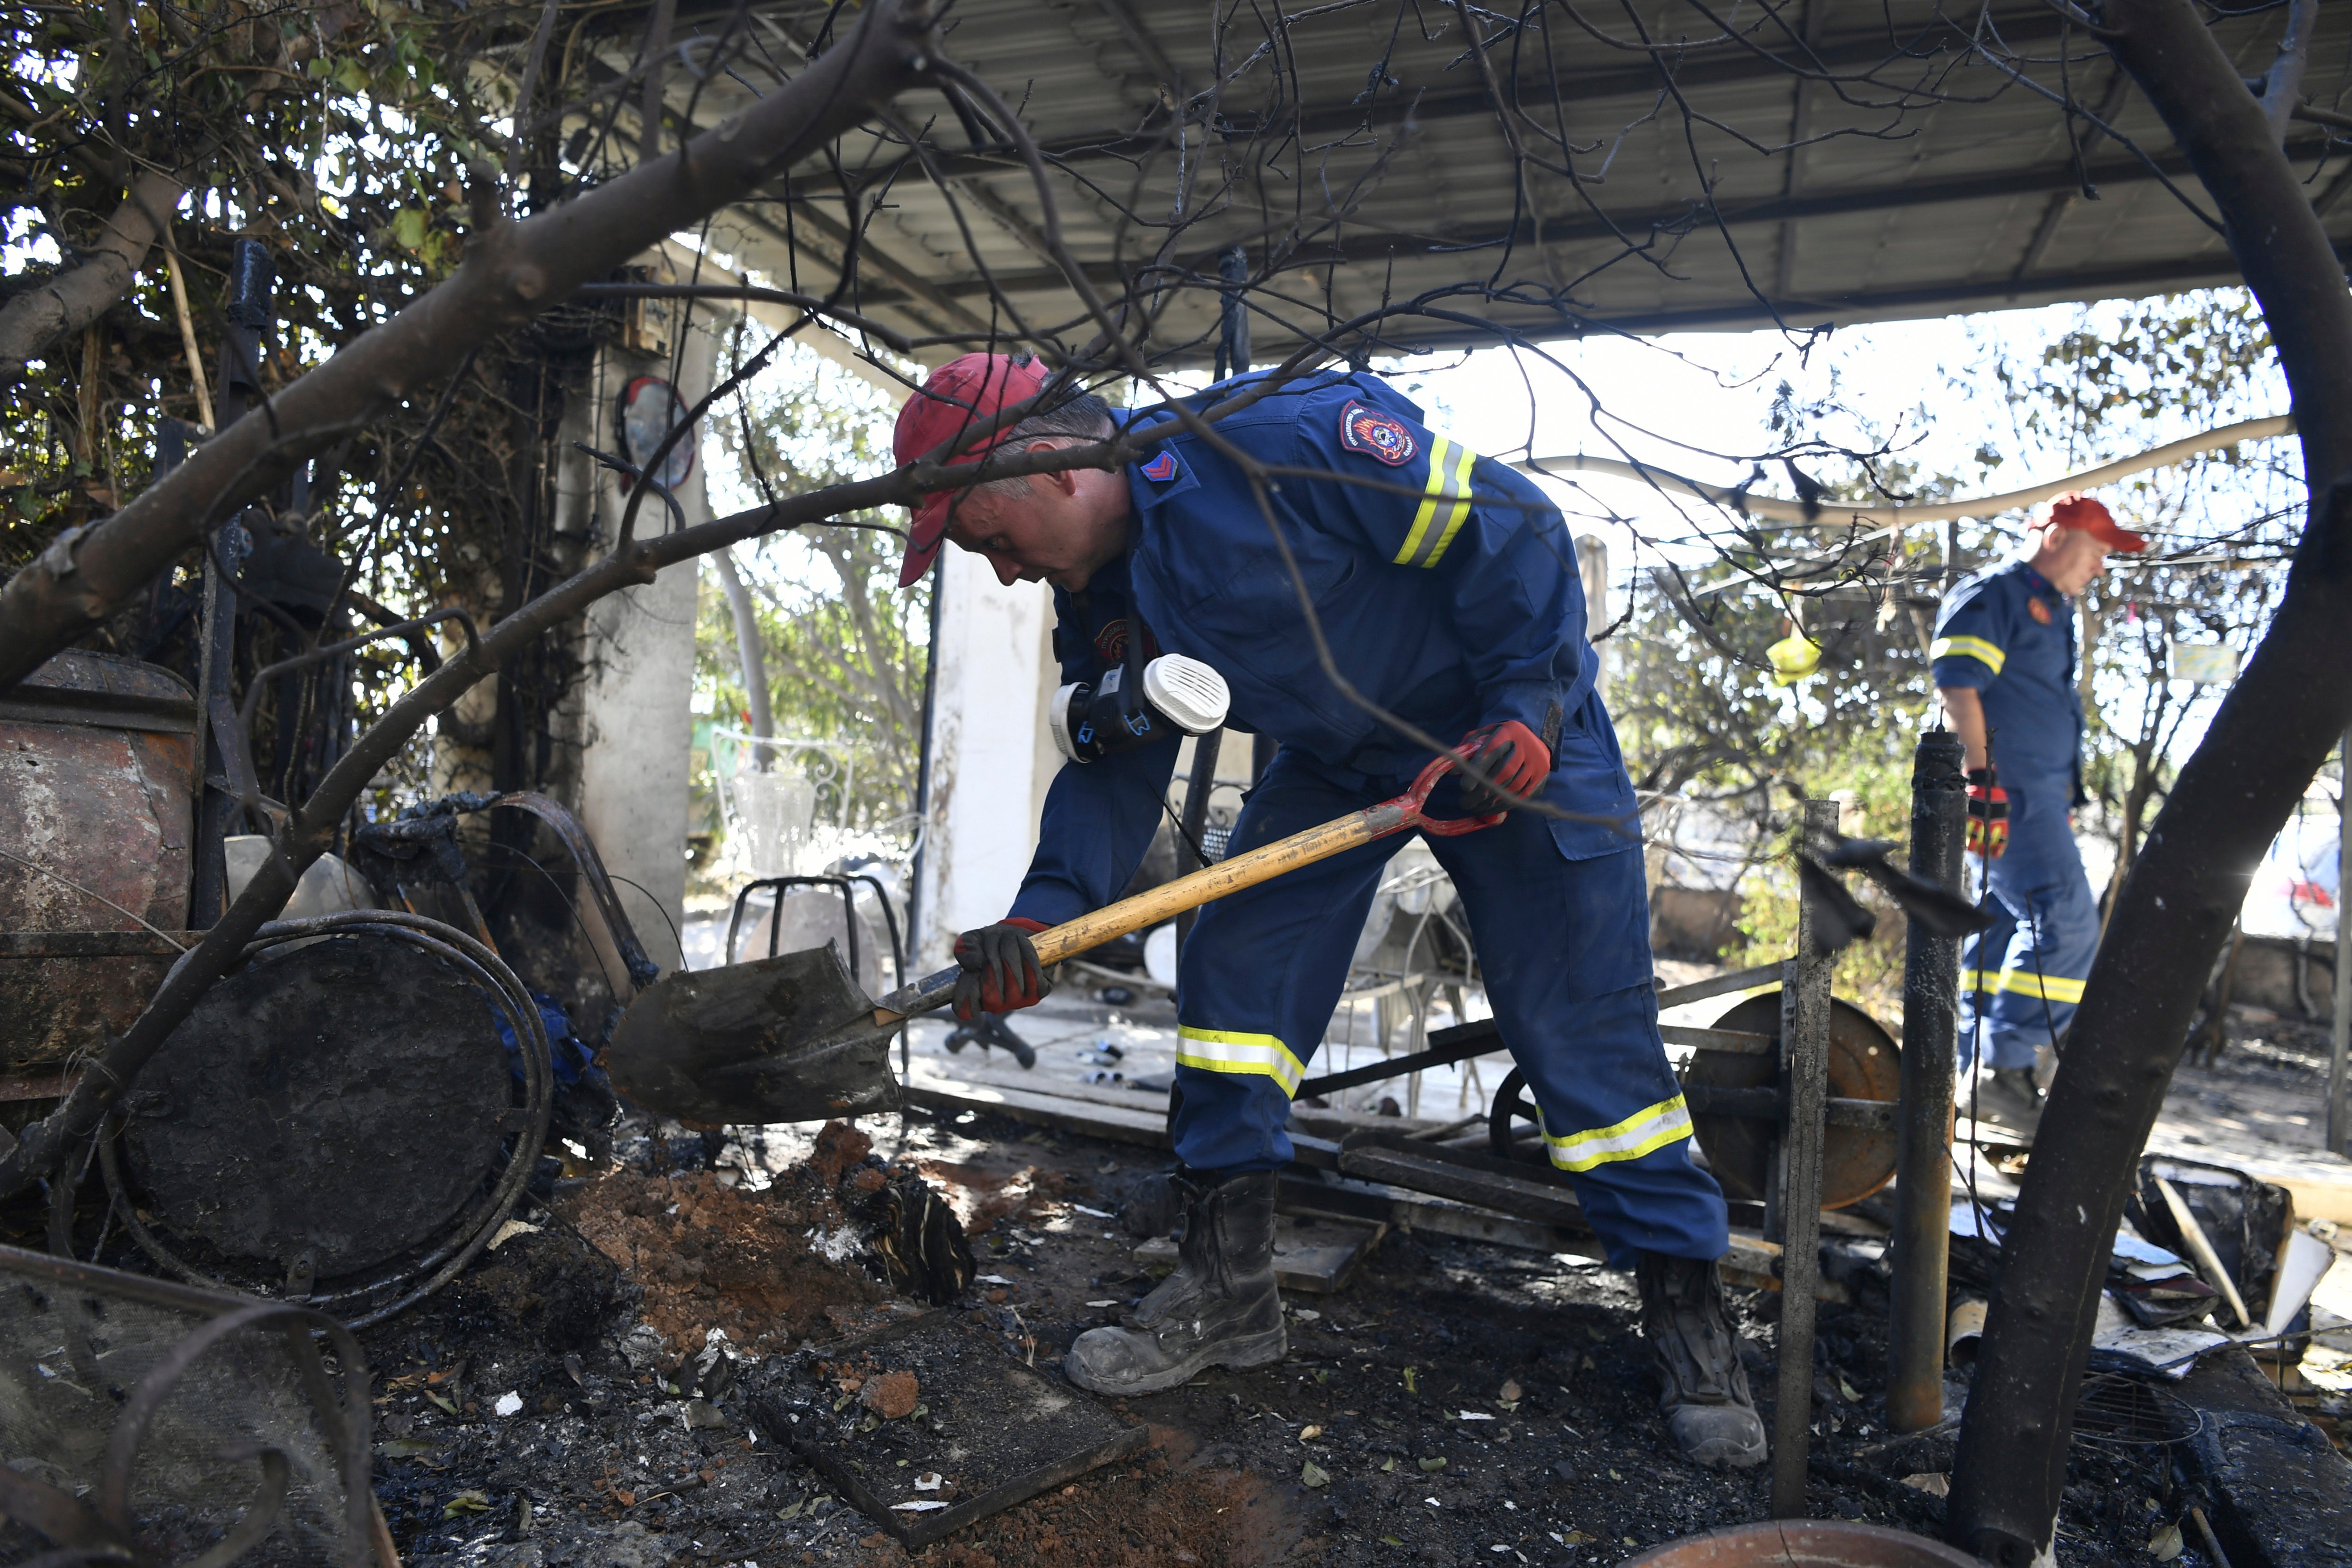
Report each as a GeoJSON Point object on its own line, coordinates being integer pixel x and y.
{"type": "Point", "coordinates": [570, 1056]}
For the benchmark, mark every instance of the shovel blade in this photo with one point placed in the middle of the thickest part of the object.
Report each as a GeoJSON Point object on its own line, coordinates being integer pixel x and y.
{"type": "Point", "coordinates": [790, 1039]}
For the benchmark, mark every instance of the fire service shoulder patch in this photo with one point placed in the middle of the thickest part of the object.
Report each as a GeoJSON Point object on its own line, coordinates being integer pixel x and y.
{"type": "Point", "coordinates": [1366, 429]}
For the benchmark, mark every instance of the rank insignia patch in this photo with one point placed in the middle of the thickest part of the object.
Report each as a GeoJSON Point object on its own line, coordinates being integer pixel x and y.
{"type": "Point", "coordinates": [1162, 468]}
{"type": "Point", "coordinates": [2038, 610]}
{"type": "Point", "coordinates": [1366, 429]}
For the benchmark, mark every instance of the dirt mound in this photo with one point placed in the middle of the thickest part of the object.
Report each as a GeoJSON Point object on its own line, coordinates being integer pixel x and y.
{"type": "Point", "coordinates": [982, 1196]}
{"type": "Point", "coordinates": [770, 1268]}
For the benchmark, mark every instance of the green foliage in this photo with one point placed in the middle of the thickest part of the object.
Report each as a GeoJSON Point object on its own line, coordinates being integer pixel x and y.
{"type": "Point", "coordinates": [1703, 723]}
{"type": "Point", "coordinates": [340, 137]}
{"type": "Point", "coordinates": [845, 648]}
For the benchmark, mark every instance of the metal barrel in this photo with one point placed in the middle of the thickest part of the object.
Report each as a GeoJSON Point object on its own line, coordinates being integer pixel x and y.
{"type": "Point", "coordinates": [1923, 1138]}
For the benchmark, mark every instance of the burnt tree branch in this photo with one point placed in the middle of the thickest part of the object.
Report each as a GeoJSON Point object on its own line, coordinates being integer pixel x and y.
{"type": "Point", "coordinates": [512, 272]}
{"type": "Point", "coordinates": [2269, 738]}
{"type": "Point", "coordinates": [60, 306]}
{"type": "Point", "coordinates": [309, 830]}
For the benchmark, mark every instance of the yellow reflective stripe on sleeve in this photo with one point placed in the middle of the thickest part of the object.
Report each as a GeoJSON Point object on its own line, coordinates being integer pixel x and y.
{"type": "Point", "coordinates": [1220, 1050]}
{"type": "Point", "coordinates": [1448, 490]}
{"type": "Point", "coordinates": [1985, 653]}
{"type": "Point", "coordinates": [1652, 1127]}
{"type": "Point", "coordinates": [2024, 983]}
{"type": "Point", "coordinates": [1460, 487]}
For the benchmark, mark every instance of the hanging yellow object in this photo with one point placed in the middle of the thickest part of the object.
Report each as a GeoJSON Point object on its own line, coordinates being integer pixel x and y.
{"type": "Point", "coordinates": [1793, 658]}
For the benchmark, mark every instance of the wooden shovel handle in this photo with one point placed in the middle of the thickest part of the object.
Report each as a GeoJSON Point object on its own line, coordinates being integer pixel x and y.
{"type": "Point", "coordinates": [1210, 883]}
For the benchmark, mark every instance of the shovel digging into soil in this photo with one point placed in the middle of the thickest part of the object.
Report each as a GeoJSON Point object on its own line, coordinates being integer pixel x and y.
{"type": "Point", "coordinates": [792, 1039]}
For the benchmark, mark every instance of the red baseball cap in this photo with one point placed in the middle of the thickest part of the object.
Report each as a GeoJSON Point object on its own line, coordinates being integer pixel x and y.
{"type": "Point", "coordinates": [2076, 510]}
{"type": "Point", "coordinates": [953, 398]}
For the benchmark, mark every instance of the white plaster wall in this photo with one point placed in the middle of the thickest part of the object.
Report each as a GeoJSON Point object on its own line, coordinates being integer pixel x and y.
{"type": "Point", "coordinates": [637, 733]}
{"type": "Point", "coordinates": [990, 758]}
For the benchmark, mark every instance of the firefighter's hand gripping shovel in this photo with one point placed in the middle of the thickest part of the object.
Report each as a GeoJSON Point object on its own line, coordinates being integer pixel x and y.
{"type": "Point", "coordinates": [792, 1038]}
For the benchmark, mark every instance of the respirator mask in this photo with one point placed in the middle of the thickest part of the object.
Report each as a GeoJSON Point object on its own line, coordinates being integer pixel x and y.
{"type": "Point", "coordinates": [1134, 705]}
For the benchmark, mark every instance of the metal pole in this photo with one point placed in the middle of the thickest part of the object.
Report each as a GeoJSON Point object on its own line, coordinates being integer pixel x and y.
{"type": "Point", "coordinates": [939, 580]}
{"type": "Point", "coordinates": [1197, 789]}
{"type": "Point", "coordinates": [1923, 1126]}
{"type": "Point", "coordinates": [208, 868]}
{"type": "Point", "coordinates": [1233, 323]}
{"type": "Point", "coordinates": [2339, 1035]}
{"type": "Point", "coordinates": [1805, 1036]}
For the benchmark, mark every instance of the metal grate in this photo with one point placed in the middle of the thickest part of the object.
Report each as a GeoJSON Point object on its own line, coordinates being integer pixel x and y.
{"type": "Point", "coordinates": [2115, 1412]}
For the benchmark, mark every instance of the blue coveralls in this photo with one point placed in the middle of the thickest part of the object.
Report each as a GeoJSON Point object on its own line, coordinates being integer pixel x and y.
{"type": "Point", "coordinates": [1451, 610]}
{"type": "Point", "coordinates": [2010, 635]}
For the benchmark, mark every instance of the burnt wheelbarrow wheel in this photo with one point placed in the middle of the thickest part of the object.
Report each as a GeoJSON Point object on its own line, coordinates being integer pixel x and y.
{"type": "Point", "coordinates": [342, 1119]}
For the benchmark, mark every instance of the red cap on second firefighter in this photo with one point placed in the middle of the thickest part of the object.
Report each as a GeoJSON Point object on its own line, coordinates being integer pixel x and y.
{"type": "Point", "coordinates": [955, 398]}
{"type": "Point", "coordinates": [2088, 513]}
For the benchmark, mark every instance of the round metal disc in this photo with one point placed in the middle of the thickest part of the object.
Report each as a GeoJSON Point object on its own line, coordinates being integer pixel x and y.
{"type": "Point", "coordinates": [1864, 1064]}
{"type": "Point", "coordinates": [345, 1099]}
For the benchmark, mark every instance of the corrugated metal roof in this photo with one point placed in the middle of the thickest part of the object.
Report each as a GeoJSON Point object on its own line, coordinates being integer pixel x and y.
{"type": "Point", "coordinates": [1358, 156]}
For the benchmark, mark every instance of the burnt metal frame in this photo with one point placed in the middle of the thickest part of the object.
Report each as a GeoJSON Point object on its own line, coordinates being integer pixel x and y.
{"type": "Point", "coordinates": [1922, 1187]}
{"type": "Point", "coordinates": [1463, 1041]}
{"type": "Point", "coordinates": [473, 1228]}
{"type": "Point", "coordinates": [1795, 1201]}
{"type": "Point", "coordinates": [849, 931]}
{"type": "Point", "coordinates": [106, 1533]}
{"type": "Point", "coordinates": [429, 824]}
{"type": "Point", "coordinates": [849, 910]}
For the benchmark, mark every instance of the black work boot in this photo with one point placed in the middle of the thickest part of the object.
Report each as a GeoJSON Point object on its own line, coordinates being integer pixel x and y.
{"type": "Point", "coordinates": [1704, 1389]}
{"type": "Point", "coordinates": [1219, 1309]}
{"type": "Point", "coordinates": [2006, 1098]}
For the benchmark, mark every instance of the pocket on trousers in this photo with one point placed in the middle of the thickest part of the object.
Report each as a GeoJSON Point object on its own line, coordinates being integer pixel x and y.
{"type": "Point", "coordinates": [1588, 777]}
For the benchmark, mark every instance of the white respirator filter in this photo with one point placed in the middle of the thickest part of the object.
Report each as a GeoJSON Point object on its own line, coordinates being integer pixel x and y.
{"type": "Point", "coordinates": [1059, 719]}
{"type": "Point", "coordinates": [1091, 721]}
{"type": "Point", "coordinates": [1192, 695]}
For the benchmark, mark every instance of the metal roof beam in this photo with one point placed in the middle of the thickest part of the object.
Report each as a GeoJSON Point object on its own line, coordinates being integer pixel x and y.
{"type": "Point", "coordinates": [1686, 217]}
{"type": "Point", "coordinates": [1645, 78]}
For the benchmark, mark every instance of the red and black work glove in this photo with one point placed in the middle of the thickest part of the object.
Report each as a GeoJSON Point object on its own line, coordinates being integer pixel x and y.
{"type": "Point", "coordinates": [1001, 972]}
{"type": "Point", "coordinates": [1509, 754]}
{"type": "Point", "coordinates": [1987, 815]}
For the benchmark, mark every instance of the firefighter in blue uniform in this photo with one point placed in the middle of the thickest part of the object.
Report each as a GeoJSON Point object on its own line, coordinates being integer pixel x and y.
{"type": "Point", "coordinates": [2005, 657]}
{"type": "Point", "coordinates": [1448, 591]}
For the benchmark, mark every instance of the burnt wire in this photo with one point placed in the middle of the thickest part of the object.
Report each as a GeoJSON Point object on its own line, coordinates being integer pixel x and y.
{"type": "Point", "coordinates": [659, 909]}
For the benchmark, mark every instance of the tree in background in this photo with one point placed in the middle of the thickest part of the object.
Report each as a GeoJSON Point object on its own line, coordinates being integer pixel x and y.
{"type": "Point", "coordinates": [842, 648]}
{"type": "Point", "coordinates": [144, 143]}
{"type": "Point", "coordinates": [2223, 526]}
{"type": "Point", "coordinates": [1704, 716]}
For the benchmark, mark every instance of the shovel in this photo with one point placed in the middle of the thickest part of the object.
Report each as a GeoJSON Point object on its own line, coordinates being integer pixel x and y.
{"type": "Point", "coordinates": [792, 1039]}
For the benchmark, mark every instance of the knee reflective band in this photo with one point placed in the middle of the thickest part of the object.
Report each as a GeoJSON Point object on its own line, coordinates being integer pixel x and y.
{"type": "Point", "coordinates": [1219, 1050]}
{"type": "Point", "coordinates": [1652, 1127]}
{"type": "Point", "coordinates": [1094, 720]}
{"type": "Point", "coordinates": [2023, 982]}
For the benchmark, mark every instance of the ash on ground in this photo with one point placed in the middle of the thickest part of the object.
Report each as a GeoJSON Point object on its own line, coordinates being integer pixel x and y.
{"type": "Point", "coordinates": [606, 1392]}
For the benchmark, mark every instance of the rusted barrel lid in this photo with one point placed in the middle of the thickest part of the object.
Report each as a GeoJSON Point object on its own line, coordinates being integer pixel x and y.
{"type": "Point", "coordinates": [104, 691]}
{"type": "Point", "coordinates": [1804, 1543]}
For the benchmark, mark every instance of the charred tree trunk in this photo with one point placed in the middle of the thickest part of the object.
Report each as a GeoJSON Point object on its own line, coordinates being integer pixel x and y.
{"type": "Point", "coordinates": [2271, 735]}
